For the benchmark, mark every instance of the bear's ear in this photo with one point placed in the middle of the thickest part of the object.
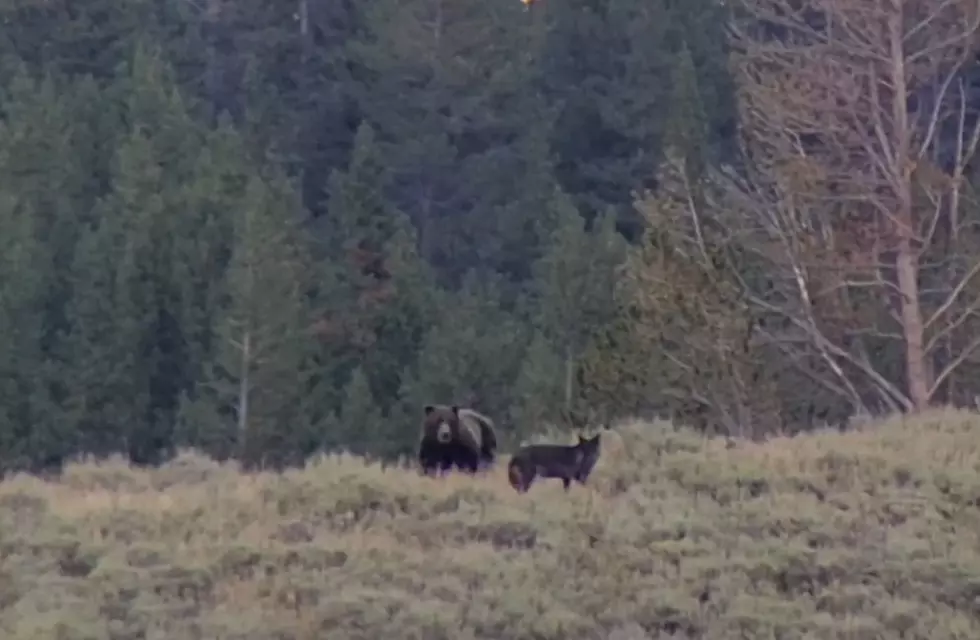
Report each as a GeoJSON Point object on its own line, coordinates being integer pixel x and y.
{"type": "Point", "coordinates": [428, 409]}
{"type": "Point", "coordinates": [455, 410]}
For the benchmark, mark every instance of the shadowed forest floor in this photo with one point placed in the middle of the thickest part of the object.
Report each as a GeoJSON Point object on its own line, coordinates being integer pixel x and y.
{"type": "Point", "coordinates": [868, 534]}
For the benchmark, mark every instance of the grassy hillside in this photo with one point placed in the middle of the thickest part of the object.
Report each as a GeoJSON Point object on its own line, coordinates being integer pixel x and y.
{"type": "Point", "coordinates": [872, 534]}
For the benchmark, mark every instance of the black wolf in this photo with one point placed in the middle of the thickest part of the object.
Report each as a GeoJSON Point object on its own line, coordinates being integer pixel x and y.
{"type": "Point", "coordinates": [568, 462]}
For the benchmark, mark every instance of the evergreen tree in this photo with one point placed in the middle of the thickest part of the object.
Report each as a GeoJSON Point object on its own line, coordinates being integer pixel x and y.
{"type": "Point", "coordinates": [451, 90]}
{"type": "Point", "coordinates": [471, 356]}
{"type": "Point", "coordinates": [540, 387]}
{"type": "Point", "coordinates": [133, 343]}
{"type": "Point", "coordinates": [263, 363]}
{"type": "Point", "coordinates": [43, 200]}
{"type": "Point", "coordinates": [114, 309]}
{"type": "Point", "coordinates": [699, 44]}
{"type": "Point", "coordinates": [605, 66]}
{"type": "Point", "coordinates": [572, 294]}
{"type": "Point", "coordinates": [380, 302]}
{"type": "Point", "coordinates": [28, 435]}
{"type": "Point", "coordinates": [687, 131]}
{"type": "Point", "coordinates": [67, 39]}
{"type": "Point", "coordinates": [214, 192]}
{"type": "Point", "coordinates": [361, 421]}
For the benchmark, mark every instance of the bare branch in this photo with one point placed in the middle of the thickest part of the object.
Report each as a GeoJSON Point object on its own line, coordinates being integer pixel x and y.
{"type": "Point", "coordinates": [942, 46]}
{"type": "Point", "coordinates": [847, 121]}
{"type": "Point", "coordinates": [953, 295]}
{"type": "Point", "coordinates": [953, 325]}
{"type": "Point", "coordinates": [799, 360]}
{"type": "Point", "coordinates": [831, 350]}
{"type": "Point", "coordinates": [948, 370]}
{"type": "Point", "coordinates": [928, 20]}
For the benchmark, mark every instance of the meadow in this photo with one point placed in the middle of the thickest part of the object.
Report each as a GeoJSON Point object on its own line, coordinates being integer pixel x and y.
{"type": "Point", "coordinates": [871, 533]}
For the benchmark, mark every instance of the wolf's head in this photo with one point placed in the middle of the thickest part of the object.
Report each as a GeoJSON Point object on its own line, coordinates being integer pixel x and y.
{"type": "Point", "coordinates": [587, 454]}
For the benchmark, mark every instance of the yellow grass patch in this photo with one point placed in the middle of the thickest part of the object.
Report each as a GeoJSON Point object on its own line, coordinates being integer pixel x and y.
{"type": "Point", "coordinates": [867, 534]}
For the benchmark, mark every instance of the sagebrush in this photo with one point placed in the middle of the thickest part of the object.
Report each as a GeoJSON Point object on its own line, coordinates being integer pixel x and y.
{"type": "Point", "coordinates": [873, 533]}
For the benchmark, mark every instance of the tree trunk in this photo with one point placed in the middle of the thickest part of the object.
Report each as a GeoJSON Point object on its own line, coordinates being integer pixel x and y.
{"type": "Point", "coordinates": [243, 391]}
{"type": "Point", "coordinates": [907, 260]}
{"type": "Point", "coordinates": [212, 69]}
{"type": "Point", "coordinates": [569, 379]}
{"type": "Point", "coordinates": [916, 371]}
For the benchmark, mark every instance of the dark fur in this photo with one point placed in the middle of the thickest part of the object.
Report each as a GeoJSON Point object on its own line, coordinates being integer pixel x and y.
{"type": "Point", "coordinates": [569, 463]}
{"type": "Point", "coordinates": [456, 437]}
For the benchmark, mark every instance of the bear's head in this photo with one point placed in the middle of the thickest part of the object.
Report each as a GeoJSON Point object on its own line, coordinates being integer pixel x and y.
{"type": "Point", "coordinates": [442, 421]}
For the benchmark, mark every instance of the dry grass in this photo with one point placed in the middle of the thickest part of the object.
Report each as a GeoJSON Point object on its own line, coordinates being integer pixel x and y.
{"type": "Point", "coordinates": [869, 534]}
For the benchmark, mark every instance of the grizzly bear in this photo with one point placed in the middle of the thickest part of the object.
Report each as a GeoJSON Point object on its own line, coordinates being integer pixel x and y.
{"type": "Point", "coordinates": [569, 463]}
{"type": "Point", "coordinates": [453, 436]}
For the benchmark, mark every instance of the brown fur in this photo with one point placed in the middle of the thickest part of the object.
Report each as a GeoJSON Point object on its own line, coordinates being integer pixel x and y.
{"type": "Point", "coordinates": [453, 436]}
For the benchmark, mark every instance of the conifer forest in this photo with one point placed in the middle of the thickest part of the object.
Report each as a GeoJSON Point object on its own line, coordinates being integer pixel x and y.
{"type": "Point", "coordinates": [268, 229]}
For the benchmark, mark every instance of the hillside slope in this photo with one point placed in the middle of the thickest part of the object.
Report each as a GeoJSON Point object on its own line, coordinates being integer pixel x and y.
{"type": "Point", "coordinates": [870, 534]}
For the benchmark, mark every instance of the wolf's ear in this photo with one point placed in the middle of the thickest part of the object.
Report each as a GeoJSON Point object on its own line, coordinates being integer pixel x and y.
{"type": "Point", "coordinates": [428, 409]}
{"type": "Point", "coordinates": [455, 410]}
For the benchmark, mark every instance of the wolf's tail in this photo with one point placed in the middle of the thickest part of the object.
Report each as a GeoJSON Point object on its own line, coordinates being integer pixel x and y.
{"type": "Point", "coordinates": [516, 476]}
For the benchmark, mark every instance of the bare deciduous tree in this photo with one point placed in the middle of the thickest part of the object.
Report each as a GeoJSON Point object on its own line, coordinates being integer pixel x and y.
{"type": "Point", "coordinates": [687, 317]}
{"type": "Point", "coordinates": [859, 128]}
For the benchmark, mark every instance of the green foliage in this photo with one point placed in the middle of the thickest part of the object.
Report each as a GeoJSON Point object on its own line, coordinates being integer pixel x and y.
{"type": "Point", "coordinates": [605, 65]}
{"type": "Point", "coordinates": [23, 368]}
{"type": "Point", "coordinates": [687, 130]}
{"type": "Point", "coordinates": [574, 279]}
{"type": "Point", "coordinates": [361, 418]}
{"type": "Point", "coordinates": [382, 297]}
{"type": "Point", "coordinates": [37, 222]}
{"type": "Point", "coordinates": [539, 391]}
{"type": "Point", "coordinates": [451, 91]}
{"type": "Point", "coordinates": [115, 304]}
{"type": "Point", "coordinates": [263, 356]}
{"type": "Point", "coordinates": [64, 39]}
{"type": "Point", "coordinates": [572, 298]}
{"type": "Point", "coordinates": [396, 203]}
{"type": "Point", "coordinates": [470, 356]}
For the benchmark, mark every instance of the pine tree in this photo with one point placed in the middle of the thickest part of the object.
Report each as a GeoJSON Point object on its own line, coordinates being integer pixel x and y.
{"type": "Point", "coordinates": [452, 91]}
{"type": "Point", "coordinates": [263, 368]}
{"type": "Point", "coordinates": [42, 203]}
{"type": "Point", "coordinates": [129, 337]}
{"type": "Point", "coordinates": [119, 315]}
{"type": "Point", "coordinates": [572, 294]}
{"type": "Point", "coordinates": [361, 421]}
{"type": "Point", "coordinates": [604, 66]}
{"type": "Point", "coordinates": [210, 199]}
{"type": "Point", "coordinates": [539, 390]}
{"type": "Point", "coordinates": [24, 437]}
{"type": "Point", "coordinates": [470, 356]}
{"type": "Point", "coordinates": [380, 300]}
